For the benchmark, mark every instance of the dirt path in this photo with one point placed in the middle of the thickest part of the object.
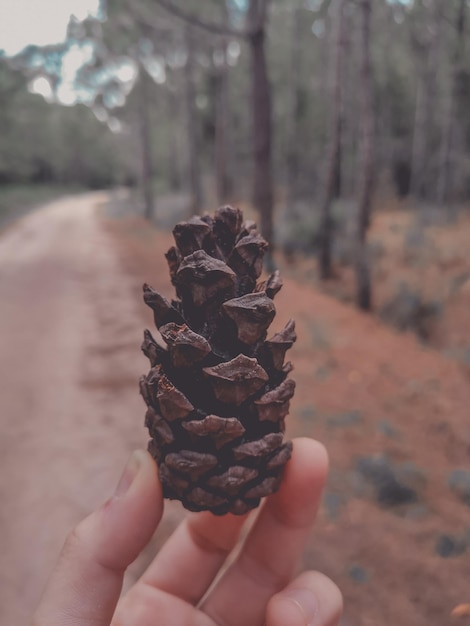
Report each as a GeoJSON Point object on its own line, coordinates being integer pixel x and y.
{"type": "Point", "coordinates": [69, 361]}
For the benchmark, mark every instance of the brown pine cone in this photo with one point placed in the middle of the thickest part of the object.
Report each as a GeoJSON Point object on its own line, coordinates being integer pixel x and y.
{"type": "Point", "coordinates": [218, 390]}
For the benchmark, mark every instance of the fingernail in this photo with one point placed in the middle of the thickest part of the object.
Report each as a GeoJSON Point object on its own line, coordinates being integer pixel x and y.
{"type": "Point", "coordinates": [130, 472]}
{"type": "Point", "coordinates": [305, 601]}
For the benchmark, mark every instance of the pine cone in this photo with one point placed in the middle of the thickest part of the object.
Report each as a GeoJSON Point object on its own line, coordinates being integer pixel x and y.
{"type": "Point", "coordinates": [217, 392]}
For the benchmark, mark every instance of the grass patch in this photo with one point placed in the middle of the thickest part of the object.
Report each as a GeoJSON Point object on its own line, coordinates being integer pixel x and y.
{"type": "Point", "coordinates": [15, 200]}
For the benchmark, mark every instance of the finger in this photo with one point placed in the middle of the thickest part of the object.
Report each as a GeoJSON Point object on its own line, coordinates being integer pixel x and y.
{"type": "Point", "coordinates": [188, 563]}
{"type": "Point", "coordinates": [268, 559]}
{"type": "Point", "coordinates": [311, 599]}
{"type": "Point", "coordinates": [85, 587]}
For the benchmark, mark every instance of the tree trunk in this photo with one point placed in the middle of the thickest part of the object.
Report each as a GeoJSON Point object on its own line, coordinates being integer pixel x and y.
{"type": "Point", "coordinates": [332, 175]}
{"type": "Point", "coordinates": [363, 270]}
{"type": "Point", "coordinates": [350, 108]}
{"type": "Point", "coordinates": [422, 178]}
{"type": "Point", "coordinates": [173, 111]}
{"type": "Point", "coordinates": [262, 125]}
{"type": "Point", "coordinates": [146, 172]}
{"type": "Point", "coordinates": [447, 162]}
{"type": "Point", "coordinates": [293, 118]}
{"type": "Point", "coordinates": [418, 150]}
{"type": "Point", "coordinates": [222, 125]}
{"type": "Point", "coordinates": [192, 130]}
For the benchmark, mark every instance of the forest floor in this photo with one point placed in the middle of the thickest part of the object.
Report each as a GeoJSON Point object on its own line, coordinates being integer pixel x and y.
{"type": "Point", "coordinates": [420, 274]}
{"type": "Point", "coordinates": [394, 528]}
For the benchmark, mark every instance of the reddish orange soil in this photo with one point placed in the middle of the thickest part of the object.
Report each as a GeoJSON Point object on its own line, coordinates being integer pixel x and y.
{"type": "Point", "coordinates": [431, 260]}
{"type": "Point", "coordinates": [72, 319]}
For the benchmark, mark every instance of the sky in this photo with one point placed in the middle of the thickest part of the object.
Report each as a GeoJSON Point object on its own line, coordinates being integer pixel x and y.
{"type": "Point", "coordinates": [44, 22]}
{"type": "Point", "coordinates": [40, 22]}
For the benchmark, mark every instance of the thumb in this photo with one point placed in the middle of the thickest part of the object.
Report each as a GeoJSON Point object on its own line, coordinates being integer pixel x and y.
{"type": "Point", "coordinates": [311, 599]}
{"type": "Point", "coordinates": [86, 584]}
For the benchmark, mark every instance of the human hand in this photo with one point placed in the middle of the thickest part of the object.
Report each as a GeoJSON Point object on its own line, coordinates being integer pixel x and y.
{"type": "Point", "coordinates": [257, 588]}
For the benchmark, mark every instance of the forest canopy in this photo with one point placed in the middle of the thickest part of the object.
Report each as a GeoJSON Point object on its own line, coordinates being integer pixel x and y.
{"type": "Point", "coordinates": [420, 81]}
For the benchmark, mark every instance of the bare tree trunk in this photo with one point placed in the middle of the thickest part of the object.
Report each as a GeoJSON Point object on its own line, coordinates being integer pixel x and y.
{"type": "Point", "coordinates": [175, 174]}
{"type": "Point", "coordinates": [363, 278]}
{"type": "Point", "coordinates": [262, 124]}
{"type": "Point", "coordinates": [386, 153]}
{"type": "Point", "coordinates": [293, 118]}
{"type": "Point", "coordinates": [418, 151]}
{"type": "Point", "coordinates": [146, 172]}
{"type": "Point", "coordinates": [428, 45]}
{"type": "Point", "coordinates": [332, 174]}
{"type": "Point", "coordinates": [192, 130]}
{"type": "Point", "coordinates": [446, 161]}
{"type": "Point", "coordinates": [222, 125]}
{"type": "Point", "coordinates": [261, 105]}
{"type": "Point", "coordinates": [350, 109]}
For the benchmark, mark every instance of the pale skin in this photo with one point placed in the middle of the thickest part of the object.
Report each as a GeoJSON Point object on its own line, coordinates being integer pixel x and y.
{"type": "Point", "coordinates": [260, 587]}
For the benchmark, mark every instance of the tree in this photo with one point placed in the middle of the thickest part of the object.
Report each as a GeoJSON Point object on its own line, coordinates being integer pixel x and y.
{"type": "Point", "coordinates": [175, 149]}
{"type": "Point", "coordinates": [366, 173]}
{"type": "Point", "coordinates": [263, 198]}
{"type": "Point", "coordinates": [222, 119]}
{"type": "Point", "coordinates": [147, 167]}
{"type": "Point", "coordinates": [447, 160]}
{"type": "Point", "coordinates": [350, 109]}
{"type": "Point", "coordinates": [44, 142]}
{"type": "Point", "coordinates": [191, 122]}
{"type": "Point", "coordinates": [264, 105]}
{"type": "Point", "coordinates": [426, 41]}
{"type": "Point", "coordinates": [333, 160]}
{"type": "Point", "coordinates": [254, 33]}
{"type": "Point", "coordinates": [120, 42]}
{"type": "Point", "coordinates": [294, 108]}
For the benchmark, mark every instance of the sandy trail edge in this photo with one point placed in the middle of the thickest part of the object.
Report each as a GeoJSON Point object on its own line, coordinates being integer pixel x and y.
{"type": "Point", "coordinates": [69, 362]}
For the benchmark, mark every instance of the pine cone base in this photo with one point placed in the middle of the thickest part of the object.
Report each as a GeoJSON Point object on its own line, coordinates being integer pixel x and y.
{"type": "Point", "coordinates": [218, 390]}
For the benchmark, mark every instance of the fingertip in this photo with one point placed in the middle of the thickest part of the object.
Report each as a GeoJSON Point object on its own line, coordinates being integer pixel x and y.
{"type": "Point", "coordinates": [128, 519]}
{"type": "Point", "coordinates": [297, 500]}
{"type": "Point", "coordinates": [312, 599]}
{"type": "Point", "coordinates": [281, 611]}
{"type": "Point", "coordinates": [311, 454]}
{"type": "Point", "coordinates": [149, 473]}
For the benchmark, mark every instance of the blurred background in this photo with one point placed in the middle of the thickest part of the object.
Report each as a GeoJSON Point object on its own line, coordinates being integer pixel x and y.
{"type": "Point", "coordinates": [343, 128]}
